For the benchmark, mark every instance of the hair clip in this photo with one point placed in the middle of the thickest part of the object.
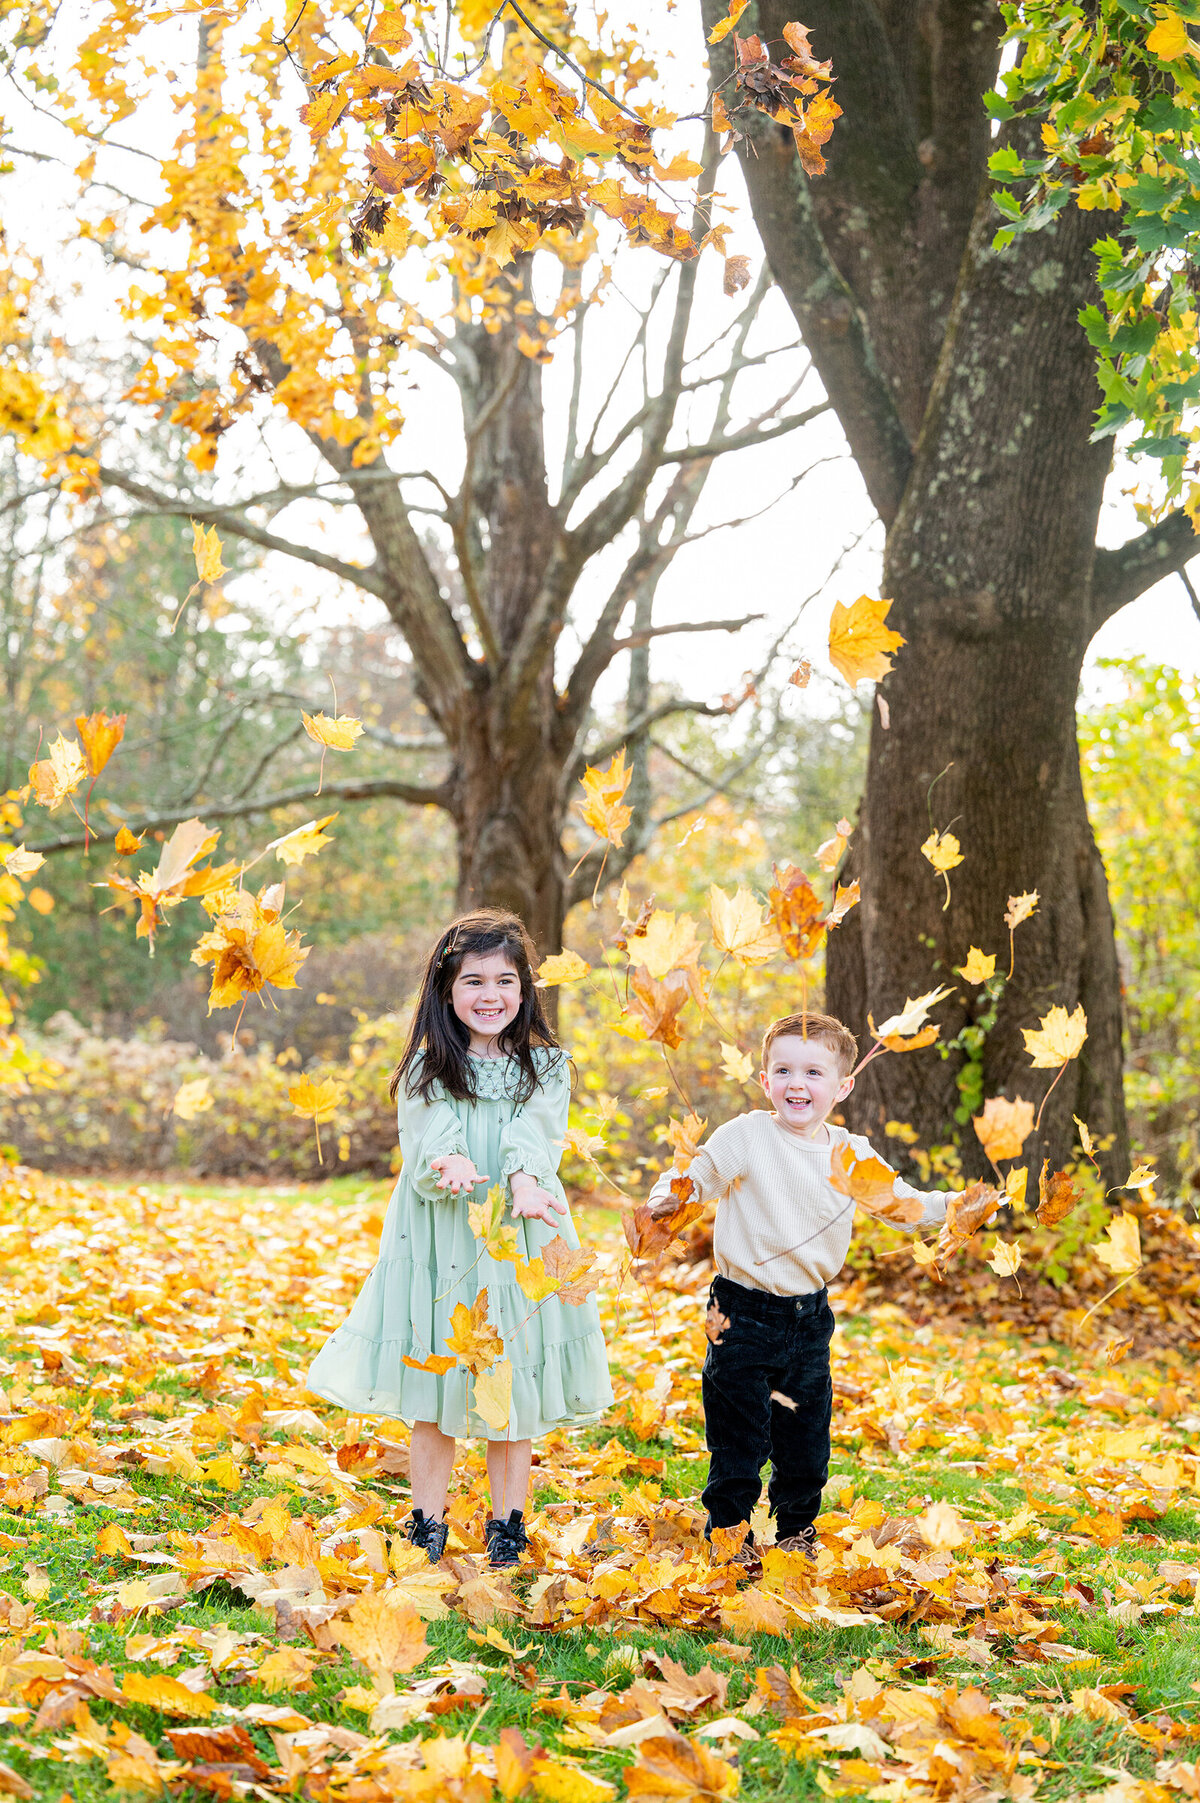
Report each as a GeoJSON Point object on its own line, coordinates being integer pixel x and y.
{"type": "Point", "coordinates": [451, 945]}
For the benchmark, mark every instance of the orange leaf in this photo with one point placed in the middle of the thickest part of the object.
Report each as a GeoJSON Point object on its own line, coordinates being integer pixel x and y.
{"type": "Point", "coordinates": [797, 912]}
{"type": "Point", "coordinates": [1058, 1196]}
{"type": "Point", "coordinates": [101, 734]}
{"type": "Point", "coordinates": [1003, 1127]}
{"type": "Point", "coordinates": [604, 809]}
{"type": "Point", "coordinates": [860, 645]}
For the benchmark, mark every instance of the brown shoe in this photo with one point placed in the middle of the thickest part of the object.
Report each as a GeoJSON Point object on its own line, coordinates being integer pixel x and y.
{"type": "Point", "coordinates": [804, 1542]}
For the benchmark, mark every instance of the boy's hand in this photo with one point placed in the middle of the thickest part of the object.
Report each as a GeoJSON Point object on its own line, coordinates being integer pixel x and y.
{"type": "Point", "coordinates": [456, 1173]}
{"type": "Point", "coordinates": [665, 1206]}
{"type": "Point", "coordinates": [531, 1202]}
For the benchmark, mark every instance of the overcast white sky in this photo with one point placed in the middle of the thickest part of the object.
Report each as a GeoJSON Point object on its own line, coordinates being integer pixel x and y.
{"type": "Point", "coordinates": [767, 565]}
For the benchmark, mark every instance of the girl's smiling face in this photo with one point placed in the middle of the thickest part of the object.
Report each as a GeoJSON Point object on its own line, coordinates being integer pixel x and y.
{"type": "Point", "coordinates": [804, 1081]}
{"type": "Point", "coordinates": [485, 996]}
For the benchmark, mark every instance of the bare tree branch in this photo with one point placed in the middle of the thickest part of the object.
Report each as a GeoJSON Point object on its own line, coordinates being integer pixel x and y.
{"type": "Point", "coordinates": [231, 521]}
{"type": "Point", "coordinates": [661, 632]}
{"type": "Point", "coordinates": [368, 789]}
{"type": "Point", "coordinates": [739, 441]}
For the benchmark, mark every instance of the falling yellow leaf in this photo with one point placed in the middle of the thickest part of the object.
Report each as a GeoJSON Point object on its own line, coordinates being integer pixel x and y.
{"type": "Point", "coordinates": [533, 1279]}
{"type": "Point", "coordinates": [1143, 1177]}
{"type": "Point", "coordinates": [860, 645]}
{"type": "Point", "coordinates": [872, 1185]}
{"type": "Point", "coordinates": [945, 854]}
{"type": "Point", "coordinates": [1169, 39]}
{"type": "Point", "coordinates": [319, 1101]}
{"type": "Point", "coordinates": [741, 927]}
{"type": "Point", "coordinates": [829, 855]}
{"type": "Point", "coordinates": [41, 901]}
{"type": "Point", "coordinates": [21, 863]}
{"type": "Point", "coordinates": [1004, 1126]}
{"type": "Point", "coordinates": [911, 1017]}
{"type": "Point", "coordinates": [1020, 907]}
{"type": "Point", "coordinates": [1057, 1039]}
{"type": "Point", "coordinates": [206, 549]}
{"type": "Point", "coordinates": [684, 1138]}
{"type": "Point", "coordinates": [724, 26]}
{"type": "Point", "coordinates": [1122, 1252]}
{"type": "Point", "coordinates": [192, 1099]}
{"type": "Point", "coordinates": [302, 841]}
{"type": "Point", "coordinates": [1005, 1258]}
{"type": "Point", "coordinates": [55, 777]}
{"type": "Point", "coordinates": [101, 734]}
{"type": "Point", "coordinates": [487, 1223]}
{"type": "Point", "coordinates": [493, 1394]}
{"type": "Point", "coordinates": [942, 1527]}
{"type": "Point", "coordinates": [605, 809]}
{"type": "Point", "coordinates": [978, 967]}
{"type": "Point", "coordinates": [563, 967]}
{"type": "Point", "coordinates": [339, 734]}
{"type": "Point", "coordinates": [668, 944]}
{"type": "Point", "coordinates": [473, 1338]}
{"type": "Point", "coordinates": [126, 842]}
{"type": "Point", "coordinates": [737, 1065]}
{"type": "Point", "coordinates": [1016, 1182]}
{"type": "Point", "coordinates": [848, 896]}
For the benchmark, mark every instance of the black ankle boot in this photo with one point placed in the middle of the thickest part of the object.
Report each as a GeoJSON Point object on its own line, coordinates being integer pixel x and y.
{"type": "Point", "coordinates": [506, 1540]}
{"type": "Point", "coordinates": [428, 1534]}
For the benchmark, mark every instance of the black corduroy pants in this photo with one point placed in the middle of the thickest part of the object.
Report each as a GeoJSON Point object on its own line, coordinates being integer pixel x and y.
{"type": "Point", "coordinates": [767, 1394]}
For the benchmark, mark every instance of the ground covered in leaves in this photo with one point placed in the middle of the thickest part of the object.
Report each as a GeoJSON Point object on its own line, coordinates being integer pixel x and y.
{"type": "Point", "coordinates": [202, 1592]}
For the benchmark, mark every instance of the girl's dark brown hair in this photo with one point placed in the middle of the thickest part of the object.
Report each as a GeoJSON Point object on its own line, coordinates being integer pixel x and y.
{"type": "Point", "coordinates": [437, 1053]}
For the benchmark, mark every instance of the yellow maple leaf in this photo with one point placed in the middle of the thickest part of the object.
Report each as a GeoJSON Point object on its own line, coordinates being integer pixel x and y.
{"type": "Point", "coordinates": [563, 967]}
{"type": "Point", "coordinates": [101, 734]}
{"type": "Point", "coordinates": [192, 1098]}
{"type": "Point", "coordinates": [1142, 1177]}
{"type": "Point", "coordinates": [654, 1007]}
{"type": "Point", "coordinates": [389, 32]}
{"type": "Point", "coordinates": [206, 549]}
{"type": "Point", "coordinates": [737, 1065]}
{"type": "Point", "coordinates": [302, 841]}
{"type": "Point", "coordinates": [796, 911]}
{"type": "Point", "coordinates": [911, 1017]}
{"type": "Point", "coordinates": [944, 852]}
{"type": "Point", "coordinates": [322, 113]}
{"type": "Point", "coordinates": [384, 1633]}
{"type": "Point", "coordinates": [848, 896]}
{"type": "Point", "coordinates": [20, 863]}
{"type": "Point", "coordinates": [1122, 1252]}
{"type": "Point", "coordinates": [318, 1102]}
{"type": "Point", "coordinates": [684, 1138]}
{"type": "Point", "coordinates": [167, 1695]}
{"type": "Point", "coordinates": [724, 26]}
{"type": "Point", "coordinates": [339, 733]}
{"type": "Point", "coordinates": [604, 808]}
{"type": "Point", "coordinates": [978, 967]}
{"type": "Point", "coordinates": [1020, 907]}
{"type": "Point", "coordinates": [126, 842]}
{"type": "Point", "coordinates": [1016, 1182]}
{"type": "Point", "coordinates": [872, 1185]}
{"type": "Point", "coordinates": [55, 777]}
{"type": "Point", "coordinates": [1004, 1126]}
{"type": "Point", "coordinates": [492, 1400]}
{"type": "Point", "coordinates": [534, 1279]}
{"type": "Point", "coordinates": [473, 1338]}
{"type": "Point", "coordinates": [1057, 1039]}
{"type": "Point", "coordinates": [741, 927]}
{"type": "Point", "coordinates": [173, 879]}
{"type": "Point", "coordinates": [1005, 1259]}
{"type": "Point", "coordinates": [1169, 39]}
{"type": "Point", "coordinates": [829, 855]}
{"type": "Point", "coordinates": [571, 1269]}
{"type": "Point", "coordinates": [668, 943]}
{"type": "Point", "coordinates": [860, 645]}
{"type": "Point", "coordinates": [487, 1223]}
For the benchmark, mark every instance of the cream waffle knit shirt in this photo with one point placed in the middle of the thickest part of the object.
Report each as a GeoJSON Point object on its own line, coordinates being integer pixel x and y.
{"type": "Point", "coordinates": [781, 1226]}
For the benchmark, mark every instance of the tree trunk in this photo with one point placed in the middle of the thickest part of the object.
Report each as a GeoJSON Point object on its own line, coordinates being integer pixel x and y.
{"type": "Point", "coordinates": [990, 565]}
{"type": "Point", "coordinates": [508, 818]}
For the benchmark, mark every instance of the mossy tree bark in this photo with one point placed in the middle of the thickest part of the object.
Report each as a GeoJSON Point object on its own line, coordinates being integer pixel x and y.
{"type": "Point", "coordinates": [966, 390]}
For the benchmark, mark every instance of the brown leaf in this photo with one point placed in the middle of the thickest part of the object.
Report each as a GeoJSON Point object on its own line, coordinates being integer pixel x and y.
{"type": "Point", "coordinates": [737, 274]}
{"type": "Point", "coordinates": [1058, 1196]}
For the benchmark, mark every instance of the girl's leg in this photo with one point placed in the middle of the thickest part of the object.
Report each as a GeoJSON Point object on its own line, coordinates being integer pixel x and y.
{"type": "Point", "coordinates": [508, 1464]}
{"type": "Point", "coordinates": [431, 1456]}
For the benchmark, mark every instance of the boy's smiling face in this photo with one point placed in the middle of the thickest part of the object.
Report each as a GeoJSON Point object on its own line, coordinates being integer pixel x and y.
{"type": "Point", "coordinates": [804, 1081]}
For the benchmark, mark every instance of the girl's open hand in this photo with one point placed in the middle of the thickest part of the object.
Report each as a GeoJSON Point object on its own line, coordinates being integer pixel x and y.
{"type": "Point", "coordinates": [531, 1202]}
{"type": "Point", "coordinates": [456, 1173]}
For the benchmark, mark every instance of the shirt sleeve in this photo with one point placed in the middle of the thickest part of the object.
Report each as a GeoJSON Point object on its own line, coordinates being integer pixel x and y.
{"type": "Point", "coordinates": [428, 1130]}
{"type": "Point", "coordinates": [717, 1166]}
{"type": "Point", "coordinates": [532, 1140]}
{"type": "Point", "coordinates": [933, 1200]}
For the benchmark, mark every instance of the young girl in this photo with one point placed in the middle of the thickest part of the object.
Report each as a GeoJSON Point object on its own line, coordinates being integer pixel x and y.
{"type": "Point", "coordinates": [483, 1090]}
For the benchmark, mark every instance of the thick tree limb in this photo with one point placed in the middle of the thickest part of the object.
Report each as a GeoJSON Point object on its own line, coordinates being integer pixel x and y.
{"type": "Point", "coordinates": [1121, 575]}
{"type": "Point", "coordinates": [231, 521]}
{"type": "Point", "coordinates": [368, 789]}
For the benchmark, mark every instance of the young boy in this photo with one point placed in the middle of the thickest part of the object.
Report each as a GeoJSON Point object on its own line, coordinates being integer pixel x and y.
{"type": "Point", "coordinates": [782, 1231]}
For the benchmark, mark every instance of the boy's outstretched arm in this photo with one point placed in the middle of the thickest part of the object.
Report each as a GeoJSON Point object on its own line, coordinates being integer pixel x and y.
{"type": "Point", "coordinates": [717, 1166]}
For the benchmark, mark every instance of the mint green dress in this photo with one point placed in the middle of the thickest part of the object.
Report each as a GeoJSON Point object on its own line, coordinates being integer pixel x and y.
{"type": "Point", "coordinates": [429, 1261]}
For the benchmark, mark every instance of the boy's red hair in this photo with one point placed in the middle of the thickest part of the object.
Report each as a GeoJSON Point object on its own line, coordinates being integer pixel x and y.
{"type": "Point", "coordinates": [823, 1028]}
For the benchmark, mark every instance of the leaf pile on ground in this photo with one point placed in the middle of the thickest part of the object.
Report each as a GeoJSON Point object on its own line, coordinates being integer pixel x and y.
{"type": "Point", "coordinates": [204, 1590]}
